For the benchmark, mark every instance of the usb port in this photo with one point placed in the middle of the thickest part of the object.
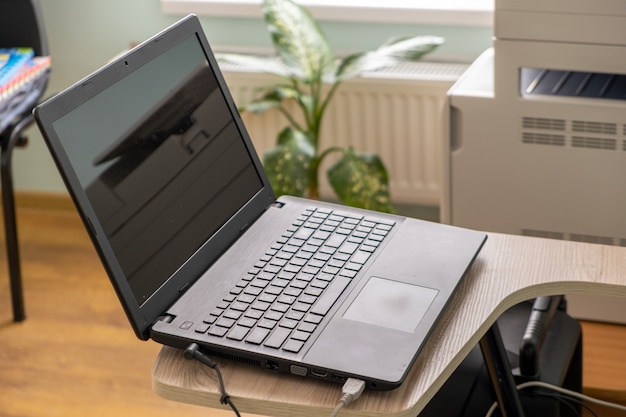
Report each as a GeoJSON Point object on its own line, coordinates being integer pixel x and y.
{"type": "Point", "coordinates": [338, 378]}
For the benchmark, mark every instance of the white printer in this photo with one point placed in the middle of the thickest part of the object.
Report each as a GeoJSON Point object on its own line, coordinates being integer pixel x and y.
{"type": "Point", "coordinates": [538, 130]}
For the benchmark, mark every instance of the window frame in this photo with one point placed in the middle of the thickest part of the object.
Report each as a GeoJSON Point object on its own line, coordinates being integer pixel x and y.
{"type": "Point", "coordinates": [441, 12]}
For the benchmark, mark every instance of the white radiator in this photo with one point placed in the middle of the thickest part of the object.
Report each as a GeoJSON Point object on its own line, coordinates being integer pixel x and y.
{"type": "Point", "coordinates": [396, 113]}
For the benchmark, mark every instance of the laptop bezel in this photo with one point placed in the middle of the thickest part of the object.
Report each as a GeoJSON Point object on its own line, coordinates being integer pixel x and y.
{"type": "Point", "coordinates": [143, 315]}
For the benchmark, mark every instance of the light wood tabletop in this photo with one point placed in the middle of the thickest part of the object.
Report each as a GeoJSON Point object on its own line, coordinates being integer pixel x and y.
{"type": "Point", "coordinates": [510, 269]}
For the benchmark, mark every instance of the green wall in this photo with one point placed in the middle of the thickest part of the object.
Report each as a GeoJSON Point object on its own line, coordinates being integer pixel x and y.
{"type": "Point", "coordinates": [84, 34]}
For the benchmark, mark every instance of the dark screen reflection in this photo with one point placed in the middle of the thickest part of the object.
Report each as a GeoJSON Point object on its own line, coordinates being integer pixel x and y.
{"type": "Point", "coordinates": [173, 177]}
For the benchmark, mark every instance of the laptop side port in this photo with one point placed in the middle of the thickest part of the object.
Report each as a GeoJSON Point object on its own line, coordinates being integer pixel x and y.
{"type": "Point", "coordinates": [298, 370]}
{"type": "Point", "coordinates": [271, 365]}
{"type": "Point", "coordinates": [318, 373]}
{"type": "Point", "coordinates": [338, 378]}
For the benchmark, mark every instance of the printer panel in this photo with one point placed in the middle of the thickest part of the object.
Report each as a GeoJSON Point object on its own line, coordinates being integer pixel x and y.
{"type": "Point", "coordinates": [511, 57]}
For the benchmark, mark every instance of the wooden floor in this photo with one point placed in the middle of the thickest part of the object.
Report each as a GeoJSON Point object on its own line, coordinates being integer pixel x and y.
{"type": "Point", "coordinates": [76, 355]}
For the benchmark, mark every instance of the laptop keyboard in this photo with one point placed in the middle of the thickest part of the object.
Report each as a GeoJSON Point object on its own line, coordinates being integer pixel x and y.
{"type": "Point", "coordinates": [280, 302]}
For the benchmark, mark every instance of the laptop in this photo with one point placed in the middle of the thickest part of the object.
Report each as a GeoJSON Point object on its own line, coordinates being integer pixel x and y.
{"type": "Point", "coordinates": [199, 249]}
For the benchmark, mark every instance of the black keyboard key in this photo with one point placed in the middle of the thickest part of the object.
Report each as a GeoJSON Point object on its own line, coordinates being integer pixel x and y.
{"type": "Point", "coordinates": [293, 346]}
{"type": "Point", "coordinates": [260, 283]}
{"type": "Point", "coordinates": [267, 324]}
{"type": "Point", "coordinates": [202, 328]}
{"type": "Point", "coordinates": [239, 306]}
{"type": "Point", "coordinates": [275, 290]}
{"type": "Point", "coordinates": [315, 292]}
{"type": "Point", "coordinates": [307, 327]}
{"type": "Point", "coordinates": [348, 248]}
{"type": "Point", "coordinates": [238, 333]}
{"type": "Point", "coordinates": [294, 315]}
{"type": "Point", "coordinates": [280, 307]}
{"type": "Point", "coordinates": [218, 331]}
{"type": "Point", "coordinates": [360, 257]}
{"type": "Point", "coordinates": [300, 284]}
{"type": "Point", "coordinates": [232, 314]}
{"type": "Point", "coordinates": [300, 307]}
{"type": "Point", "coordinates": [368, 248]}
{"type": "Point", "coordinates": [313, 319]}
{"type": "Point", "coordinates": [254, 314]}
{"type": "Point", "coordinates": [253, 290]}
{"type": "Point", "coordinates": [260, 305]}
{"type": "Point", "coordinates": [257, 336]}
{"type": "Point", "coordinates": [349, 273]}
{"type": "Point", "coordinates": [288, 323]}
{"type": "Point", "coordinates": [278, 337]}
{"type": "Point", "coordinates": [287, 299]}
{"type": "Point", "coordinates": [247, 322]}
{"type": "Point", "coordinates": [330, 295]}
{"type": "Point", "coordinates": [264, 276]}
{"type": "Point", "coordinates": [303, 233]}
{"type": "Point", "coordinates": [225, 322]}
{"type": "Point", "coordinates": [353, 266]}
{"type": "Point", "coordinates": [294, 292]}
{"type": "Point", "coordinates": [301, 336]}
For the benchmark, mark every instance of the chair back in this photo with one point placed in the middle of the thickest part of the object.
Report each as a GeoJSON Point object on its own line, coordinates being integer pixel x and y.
{"type": "Point", "coordinates": [21, 25]}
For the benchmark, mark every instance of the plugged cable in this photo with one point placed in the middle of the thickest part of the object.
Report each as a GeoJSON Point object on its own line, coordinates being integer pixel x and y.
{"type": "Point", "coordinates": [193, 352]}
{"type": "Point", "coordinates": [563, 391]}
{"type": "Point", "coordinates": [351, 391]}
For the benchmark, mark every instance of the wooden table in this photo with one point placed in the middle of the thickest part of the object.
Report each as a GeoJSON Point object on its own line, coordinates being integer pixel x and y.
{"type": "Point", "coordinates": [510, 269]}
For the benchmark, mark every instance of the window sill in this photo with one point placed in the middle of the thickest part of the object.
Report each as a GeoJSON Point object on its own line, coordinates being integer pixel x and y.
{"type": "Point", "coordinates": [449, 12]}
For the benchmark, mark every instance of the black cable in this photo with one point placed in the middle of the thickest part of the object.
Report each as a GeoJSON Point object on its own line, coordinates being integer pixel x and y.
{"type": "Point", "coordinates": [193, 352]}
{"type": "Point", "coordinates": [563, 399]}
{"type": "Point", "coordinates": [560, 398]}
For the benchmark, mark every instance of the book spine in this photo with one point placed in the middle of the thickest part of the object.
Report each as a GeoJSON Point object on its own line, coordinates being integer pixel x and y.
{"type": "Point", "coordinates": [11, 62]}
{"type": "Point", "coordinates": [21, 79]}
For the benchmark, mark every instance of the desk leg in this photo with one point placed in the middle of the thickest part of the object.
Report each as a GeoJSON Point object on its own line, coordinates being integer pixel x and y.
{"type": "Point", "coordinates": [8, 207]}
{"type": "Point", "coordinates": [499, 370]}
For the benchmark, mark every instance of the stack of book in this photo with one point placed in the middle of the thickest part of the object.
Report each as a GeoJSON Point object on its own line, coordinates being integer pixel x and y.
{"type": "Point", "coordinates": [19, 72]}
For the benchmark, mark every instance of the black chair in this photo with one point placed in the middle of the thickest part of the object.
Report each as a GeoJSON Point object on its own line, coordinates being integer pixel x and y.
{"type": "Point", "coordinates": [539, 342]}
{"type": "Point", "coordinates": [21, 25]}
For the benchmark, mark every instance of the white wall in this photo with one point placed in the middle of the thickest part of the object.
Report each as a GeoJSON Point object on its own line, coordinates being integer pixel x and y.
{"type": "Point", "coordinates": [85, 34]}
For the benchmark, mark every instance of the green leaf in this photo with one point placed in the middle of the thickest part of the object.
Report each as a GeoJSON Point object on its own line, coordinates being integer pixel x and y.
{"type": "Point", "coordinates": [261, 105]}
{"type": "Point", "coordinates": [361, 180]}
{"type": "Point", "coordinates": [391, 53]}
{"type": "Point", "coordinates": [288, 164]}
{"type": "Point", "coordinates": [299, 41]}
{"type": "Point", "coordinates": [271, 97]}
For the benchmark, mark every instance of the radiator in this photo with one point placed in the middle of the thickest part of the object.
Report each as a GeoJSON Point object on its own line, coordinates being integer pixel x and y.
{"type": "Point", "coordinates": [396, 113]}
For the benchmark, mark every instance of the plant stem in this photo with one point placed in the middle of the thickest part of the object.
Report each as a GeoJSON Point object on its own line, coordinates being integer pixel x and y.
{"type": "Point", "coordinates": [313, 187]}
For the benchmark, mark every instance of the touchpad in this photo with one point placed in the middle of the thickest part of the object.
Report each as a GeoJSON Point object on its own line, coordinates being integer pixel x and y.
{"type": "Point", "coordinates": [391, 304]}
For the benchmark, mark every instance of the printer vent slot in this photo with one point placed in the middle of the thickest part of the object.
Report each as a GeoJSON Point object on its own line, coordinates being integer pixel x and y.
{"type": "Point", "coordinates": [577, 237]}
{"type": "Point", "coordinates": [593, 143]}
{"type": "Point", "coordinates": [551, 82]}
{"type": "Point", "coordinates": [543, 234]}
{"type": "Point", "coordinates": [603, 240]}
{"type": "Point", "coordinates": [543, 139]}
{"type": "Point", "coordinates": [594, 127]}
{"type": "Point", "coordinates": [543, 123]}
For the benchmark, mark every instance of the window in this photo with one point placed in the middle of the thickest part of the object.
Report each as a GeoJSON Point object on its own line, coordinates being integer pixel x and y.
{"type": "Point", "coordinates": [438, 12]}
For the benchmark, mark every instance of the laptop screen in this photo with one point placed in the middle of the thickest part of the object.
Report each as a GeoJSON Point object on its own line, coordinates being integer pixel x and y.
{"type": "Point", "coordinates": [146, 149]}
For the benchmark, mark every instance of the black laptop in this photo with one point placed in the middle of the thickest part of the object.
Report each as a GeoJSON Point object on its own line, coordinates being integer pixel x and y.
{"type": "Point", "coordinates": [154, 153]}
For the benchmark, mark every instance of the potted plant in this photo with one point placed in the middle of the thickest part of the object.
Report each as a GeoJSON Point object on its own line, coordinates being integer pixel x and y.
{"type": "Point", "coordinates": [311, 74]}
